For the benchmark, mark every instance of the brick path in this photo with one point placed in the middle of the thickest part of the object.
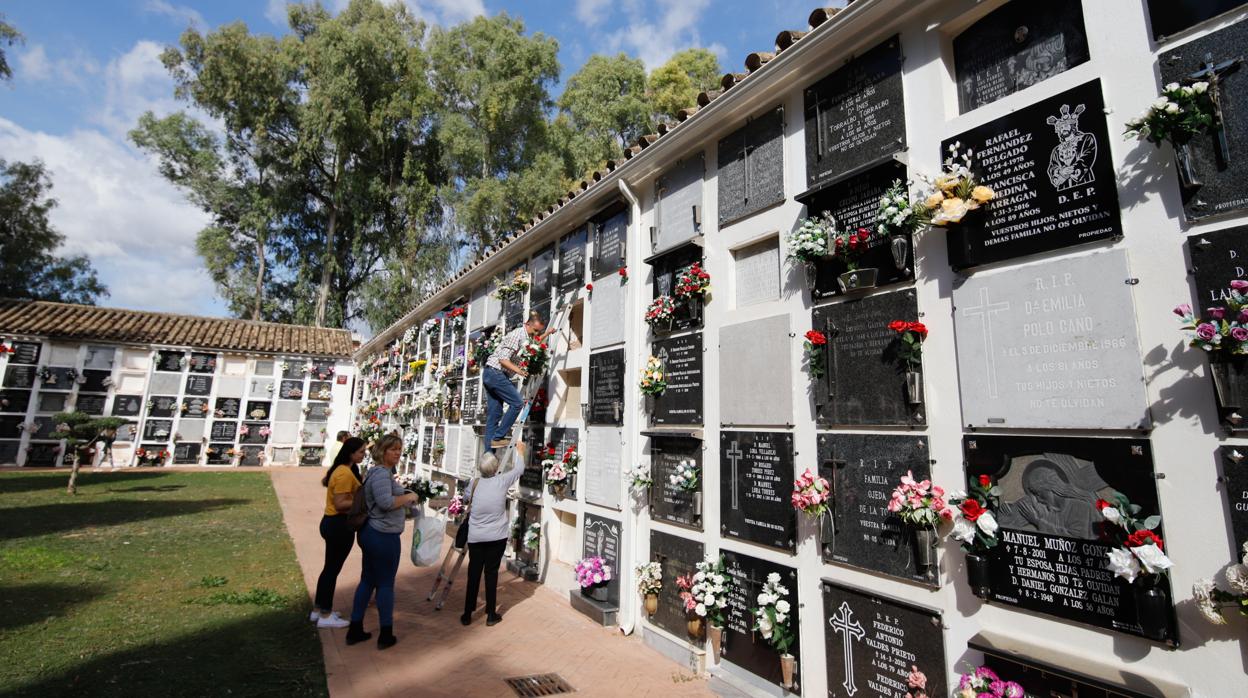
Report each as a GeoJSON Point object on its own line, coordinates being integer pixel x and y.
{"type": "Point", "coordinates": [436, 656]}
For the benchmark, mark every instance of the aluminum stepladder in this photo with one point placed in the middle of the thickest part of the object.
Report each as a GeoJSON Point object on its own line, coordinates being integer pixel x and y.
{"type": "Point", "coordinates": [527, 391]}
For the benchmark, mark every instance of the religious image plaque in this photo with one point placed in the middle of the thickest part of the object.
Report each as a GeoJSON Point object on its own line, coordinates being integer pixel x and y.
{"type": "Point", "coordinates": [756, 478]}
{"type": "Point", "coordinates": [668, 502]}
{"type": "Point", "coordinates": [681, 402]}
{"type": "Point", "coordinates": [320, 390]}
{"type": "Point", "coordinates": [1053, 555]}
{"type": "Point", "coordinates": [677, 557]}
{"type": "Point", "coordinates": [127, 405]}
{"type": "Point", "coordinates": [741, 645]}
{"type": "Point", "coordinates": [606, 387]}
{"type": "Point", "coordinates": [604, 538]}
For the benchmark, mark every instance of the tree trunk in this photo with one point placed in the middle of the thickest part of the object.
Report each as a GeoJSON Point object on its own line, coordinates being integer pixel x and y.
{"type": "Point", "coordinates": [327, 275]}
{"type": "Point", "coordinates": [73, 474]}
{"type": "Point", "coordinates": [257, 310]}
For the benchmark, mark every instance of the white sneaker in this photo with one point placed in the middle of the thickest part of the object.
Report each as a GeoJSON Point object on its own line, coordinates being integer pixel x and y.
{"type": "Point", "coordinates": [333, 620]}
{"type": "Point", "coordinates": [314, 616]}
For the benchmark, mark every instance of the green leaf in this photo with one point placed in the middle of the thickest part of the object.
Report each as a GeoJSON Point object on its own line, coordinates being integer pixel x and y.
{"type": "Point", "coordinates": [1152, 522]}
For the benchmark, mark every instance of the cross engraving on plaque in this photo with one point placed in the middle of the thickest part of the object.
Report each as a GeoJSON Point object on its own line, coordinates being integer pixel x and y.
{"type": "Point", "coordinates": [843, 622]}
{"type": "Point", "coordinates": [985, 310]}
{"type": "Point", "coordinates": [735, 455]}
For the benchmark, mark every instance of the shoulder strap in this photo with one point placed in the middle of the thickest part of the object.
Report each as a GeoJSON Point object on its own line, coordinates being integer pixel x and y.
{"type": "Point", "coordinates": [471, 491]}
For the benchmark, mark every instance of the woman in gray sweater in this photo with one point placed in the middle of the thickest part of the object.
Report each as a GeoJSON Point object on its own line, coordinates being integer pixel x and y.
{"type": "Point", "coordinates": [387, 503]}
{"type": "Point", "coordinates": [487, 531]}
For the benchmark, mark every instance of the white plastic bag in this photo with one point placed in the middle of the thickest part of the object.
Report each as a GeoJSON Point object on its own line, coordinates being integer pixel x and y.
{"type": "Point", "coordinates": [427, 534]}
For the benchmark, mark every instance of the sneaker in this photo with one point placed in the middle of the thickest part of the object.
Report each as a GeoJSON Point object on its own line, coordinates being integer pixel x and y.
{"type": "Point", "coordinates": [314, 616]}
{"type": "Point", "coordinates": [333, 620]}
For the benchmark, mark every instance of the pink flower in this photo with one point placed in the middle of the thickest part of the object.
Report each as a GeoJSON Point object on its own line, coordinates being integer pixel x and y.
{"type": "Point", "coordinates": [1239, 334]}
{"type": "Point", "coordinates": [1239, 284]}
{"type": "Point", "coordinates": [1206, 331]}
{"type": "Point", "coordinates": [1183, 310]}
{"type": "Point", "coordinates": [1216, 313]}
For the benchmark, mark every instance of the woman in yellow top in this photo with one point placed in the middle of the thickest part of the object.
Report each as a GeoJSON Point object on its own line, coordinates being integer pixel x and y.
{"type": "Point", "coordinates": [342, 483]}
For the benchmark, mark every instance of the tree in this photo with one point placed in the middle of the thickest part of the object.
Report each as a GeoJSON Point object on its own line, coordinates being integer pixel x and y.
{"type": "Point", "coordinates": [675, 84]}
{"type": "Point", "coordinates": [29, 267]}
{"type": "Point", "coordinates": [9, 35]}
{"type": "Point", "coordinates": [80, 433]}
{"type": "Point", "coordinates": [606, 103]}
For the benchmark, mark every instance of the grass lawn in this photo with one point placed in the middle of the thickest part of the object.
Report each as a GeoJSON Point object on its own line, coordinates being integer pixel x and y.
{"type": "Point", "coordinates": [151, 584]}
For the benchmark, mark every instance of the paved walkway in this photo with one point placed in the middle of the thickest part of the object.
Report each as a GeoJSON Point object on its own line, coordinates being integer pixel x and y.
{"type": "Point", "coordinates": [436, 656]}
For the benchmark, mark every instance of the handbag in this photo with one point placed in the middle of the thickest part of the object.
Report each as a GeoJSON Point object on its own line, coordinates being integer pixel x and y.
{"type": "Point", "coordinates": [461, 535]}
{"type": "Point", "coordinates": [358, 516]}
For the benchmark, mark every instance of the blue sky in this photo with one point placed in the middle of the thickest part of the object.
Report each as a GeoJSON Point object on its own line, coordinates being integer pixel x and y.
{"type": "Point", "coordinates": [88, 70]}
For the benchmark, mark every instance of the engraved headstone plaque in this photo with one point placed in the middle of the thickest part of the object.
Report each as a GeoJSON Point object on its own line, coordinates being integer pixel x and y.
{"type": "Point", "coordinates": [610, 242]}
{"type": "Point", "coordinates": [223, 431]}
{"type": "Point", "coordinates": [601, 466]}
{"type": "Point", "coordinates": [572, 260]}
{"type": "Point", "coordinates": [157, 429]}
{"type": "Point", "coordinates": [856, 115]}
{"type": "Point", "coordinates": [677, 557]}
{"type": "Point", "coordinates": [43, 455]}
{"type": "Point", "coordinates": [744, 647]}
{"type": "Point", "coordinates": [127, 405]}
{"type": "Point", "coordinates": [471, 410]}
{"type": "Point", "coordinates": [62, 378]}
{"type": "Point", "coordinates": [669, 502]}
{"type": "Point", "coordinates": [163, 406]}
{"type": "Point", "coordinates": [257, 433]}
{"type": "Point", "coordinates": [198, 385]}
{"type": "Point", "coordinates": [252, 455]}
{"type": "Point", "coordinates": [759, 388]}
{"type": "Point", "coordinates": [26, 353]}
{"type": "Point", "coordinates": [1050, 166]}
{"type": "Point", "coordinates": [93, 381]}
{"type": "Point", "coordinates": [1051, 345]}
{"type": "Point", "coordinates": [513, 306]}
{"type": "Point", "coordinates": [535, 440]}
{"type": "Point", "coordinates": [681, 402]}
{"type": "Point", "coordinates": [52, 402]}
{"type": "Point", "coordinates": [14, 400]}
{"type": "Point", "coordinates": [756, 273]}
{"type": "Point", "coordinates": [606, 387]}
{"type": "Point", "coordinates": [169, 360]}
{"type": "Point", "coordinates": [606, 310]}
{"type": "Point", "coordinates": [227, 408]}
{"type": "Point", "coordinates": [312, 455]}
{"type": "Point", "coordinates": [1173, 16]}
{"type": "Point", "coordinates": [19, 376]}
{"type": "Point", "coordinates": [1016, 46]}
{"type": "Point", "coordinates": [258, 410]}
{"type": "Point", "coordinates": [678, 203]}
{"type": "Point", "coordinates": [756, 479]}
{"type": "Point", "coordinates": [320, 390]}
{"type": "Point", "coordinates": [186, 453]}
{"type": "Point", "coordinates": [751, 167]}
{"type": "Point", "coordinates": [291, 390]}
{"type": "Point", "coordinates": [219, 454]}
{"type": "Point", "coordinates": [604, 538]}
{"type": "Point", "coordinates": [318, 411]}
{"type": "Point", "coordinates": [91, 404]}
{"type": "Point", "coordinates": [667, 268]}
{"type": "Point", "coordinates": [1053, 556]}
{"type": "Point", "coordinates": [261, 388]}
{"type": "Point", "coordinates": [196, 407]}
{"type": "Point", "coordinates": [202, 362]}
{"type": "Point", "coordinates": [1234, 462]}
{"type": "Point", "coordinates": [287, 411]}
{"type": "Point", "coordinates": [543, 266]}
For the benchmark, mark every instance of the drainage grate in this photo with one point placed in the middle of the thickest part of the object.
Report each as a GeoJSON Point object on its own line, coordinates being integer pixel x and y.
{"type": "Point", "coordinates": [539, 685]}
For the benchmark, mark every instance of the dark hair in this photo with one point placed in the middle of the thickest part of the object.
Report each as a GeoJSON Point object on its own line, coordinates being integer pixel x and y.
{"type": "Point", "coordinates": [349, 447]}
{"type": "Point", "coordinates": [343, 435]}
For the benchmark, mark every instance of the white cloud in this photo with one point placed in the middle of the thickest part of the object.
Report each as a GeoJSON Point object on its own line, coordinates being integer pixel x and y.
{"type": "Point", "coordinates": [440, 12]}
{"type": "Point", "coordinates": [35, 65]}
{"type": "Point", "coordinates": [592, 12]}
{"type": "Point", "coordinates": [654, 39]}
{"type": "Point", "coordinates": [275, 12]}
{"type": "Point", "coordinates": [134, 83]}
{"type": "Point", "coordinates": [179, 13]}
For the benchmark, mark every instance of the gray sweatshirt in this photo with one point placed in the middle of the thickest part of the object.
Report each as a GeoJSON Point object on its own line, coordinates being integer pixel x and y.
{"type": "Point", "coordinates": [488, 519]}
{"type": "Point", "coordinates": [380, 489]}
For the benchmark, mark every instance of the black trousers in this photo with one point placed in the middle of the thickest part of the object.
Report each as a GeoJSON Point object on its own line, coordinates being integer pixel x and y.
{"type": "Point", "coordinates": [338, 541]}
{"type": "Point", "coordinates": [484, 557]}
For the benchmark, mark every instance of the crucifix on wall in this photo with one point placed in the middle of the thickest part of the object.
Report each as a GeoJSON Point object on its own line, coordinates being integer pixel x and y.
{"type": "Point", "coordinates": [735, 455]}
{"type": "Point", "coordinates": [843, 623]}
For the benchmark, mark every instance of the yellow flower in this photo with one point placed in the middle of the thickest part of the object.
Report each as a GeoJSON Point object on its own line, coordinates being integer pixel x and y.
{"type": "Point", "coordinates": [982, 194]}
{"type": "Point", "coordinates": [946, 182]}
{"type": "Point", "coordinates": [934, 200]}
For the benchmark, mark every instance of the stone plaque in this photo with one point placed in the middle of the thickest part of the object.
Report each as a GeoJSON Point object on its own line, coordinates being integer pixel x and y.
{"type": "Point", "coordinates": [1220, 171]}
{"type": "Point", "coordinates": [606, 308]}
{"type": "Point", "coordinates": [19, 376]}
{"type": "Point", "coordinates": [98, 357]}
{"type": "Point", "coordinates": [195, 407]}
{"type": "Point", "coordinates": [10, 426]}
{"type": "Point", "coordinates": [43, 455]}
{"type": "Point", "coordinates": [604, 538]}
{"type": "Point", "coordinates": [667, 501]}
{"type": "Point", "coordinates": [1016, 46]}
{"type": "Point", "coordinates": [127, 405]}
{"type": "Point", "coordinates": [856, 115]}
{"type": "Point", "coordinates": [756, 272]}
{"type": "Point", "coordinates": [26, 353]}
{"type": "Point", "coordinates": [874, 641]}
{"type": "Point", "coordinates": [254, 435]}
{"type": "Point", "coordinates": [127, 432]}
{"type": "Point", "coordinates": [218, 454]}
{"type": "Point", "coordinates": [756, 479]}
{"type": "Point", "coordinates": [476, 309]}
{"type": "Point", "coordinates": [157, 429]}
{"type": "Point", "coordinates": [751, 167]}
{"type": "Point", "coordinates": [261, 388]}
{"type": "Point", "coordinates": [666, 269]}
{"type": "Point", "coordinates": [471, 411]}
{"type": "Point", "coordinates": [678, 203]}
{"type": "Point", "coordinates": [854, 202]}
{"type": "Point", "coordinates": [865, 381]}
{"type": "Point", "coordinates": [62, 378]}
{"type": "Point", "coordinates": [285, 432]}
{"type": "Point", "coordinates": [470, 451]}
{"type": "Point", "coordinates": [1050, 166]}
{"type": "Point", "coordinates": [322, 370]}
{"type": "Point", "coordinates": [312, 455]}
{"type": "Point", "coordinates": [258, 409]}
{"type": "Point", "coordinates": [198, 385]}
{"type": "Point", "coordinates": [320, 390]}
{"type": "Point", "coordinates": [863, 470]}
{"type": "Point", "coordinates": [314, 432]}
{"type": "Point", "coordinates": [52, 402]}
{"type": "Point", "coordinates": [610, 243]}
{"type": "Point", "coordinates": [91, 404]}
{"type": "Point", "coordinates": [1051, 345]}
{"type": "Point", "coordinates": [186, 453]}
{"type": "Point", "coordinates": [8, 452]}
{"type": "Point", "coordinates": [169, 360]}
{"type": "Point", "coordinates": [227, 407]}
{"type": "Point", "coordinates": [677, 557]}
{"type": "Point", "coordinates": [1235, 475]}
{"type": "Point", "coordinates": [601, 466]}
{"type": "Point", "coordinates": [191, 429]}
{"type": "Point", "coordinates": [450, 454]}
{"type": "Point", "coordinates": [165, 384]}
{"type": "Point", "coordinates": [1173, 16]}
{"type": "Point", "coordinates": [535, 439]}
{"type": "Point", "coordinates": [1218, 257]}
{"type": "Point", "coordinates": [223, 431]}
{"type": "Point", "coordinates": [742, 646]}
{"type": "Point", "coordinates": [93, 381]}
{"type": "Point", "coordinates": [426, 446]}
{"type": "Point", "coordinates": [1052, 557]}
{"type": "Point", "coordinates": [572, 260]}
{"type": "Point", "coordinates": [287, 411]}
{"type": "Point", "coordinates": [543, 267]}
{"type": "Point", "coordinates": [202, 362]}
{"type": "Point", "coordinates": [292, 369]}
{"type": "Point", "coordinates": [162, 406]}
{"type": "Point", "coordinates": [759, 388]}
{"type": "Point", "coordinates": [231, 386]}
{"type": "Point", "coordinates": [252, 455]}
{"type": "Point", "coordinates": [318, 412]}
{"type": "Point", "coordinates": [606, 387]}
{"type": "Point", "coordinates": [14, 400]}
{"type": "Point", "coordinates": [291, 390]}
{"type": "Point", "coordinates": [681, 402]}
{"type": "Point", "coordinates": [513, 310]}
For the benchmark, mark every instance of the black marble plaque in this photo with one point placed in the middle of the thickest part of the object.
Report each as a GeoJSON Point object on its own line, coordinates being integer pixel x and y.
{"type": "Point", "coordinates": [169, 360]}
{"type": "Point", "coordinates": [62, 378]}
{"type": "Point", "coordinates": [856, 115]}
{"type": "Point", "coordinates": [535, 440]}
{"type": "Point", "coordinates": [667, 501]}
{"type": "Point", "coordinates": [19, 376]}
{"type": "Point", "coordinates": [471, 411]}
{"type": "Point", "coordinates": [756, 479]}
{"type": "Point", "coordinates": [572, 260]}
{"type": "Point", "coordinates": [1053, 553]}
{"type": "Point", "coordinates": [1235, 475]}
{"type": "Point", "coordinates": [744, 647]}
{"type": "Point", "coordinates": [227, 408]}
{"type": "Point", "coordinates": [610, 243]}
{"type": "Point", "coordinates": [9, 451]}
{"type": "Point", "coordinates": [43, 455]}
{"type": "Point", "coordinates": [127, 405]}
{"type": "Point", "coordinates": [1218, 257]}
{"type": "Point", "coordinates": [186, 452]}
{"type": "Point", "coordinates": [253, 435]}
{"type": "Point", "coordinates": [10, 426]}
{"type": "Point", "coordinates": [198, 385]}
{"type": "Point", "coordinates": [14, 400]}
{"type": "Point", "coordinates": [91, 404]}
{"type": "Point", "coordinates": [202, 362]}
{"type": "Point", "coordinates": [865, 382]}
{"type": "Point", "coordinates": [873, 641]}
{"type": "Point", "coordinates": [93, 381]}
{"type": "Point", "coordinates": [292, 369]}
{"type": "Point", "coordinates": [196, 407]}
{"type": "Point", "coordinates": [52, 402]}
{"type": "Point", "coordinates": [667, 268]}
{"type": "Point", "coordinates": [218, 453]}
{"type": "Point", "coordinates": [312, 455]}
{"type": "Point", "coordinates": [606, 387]}
{"type": "Point", "coordinates": [318, 412]}
{"type": "Point", "coordinates": [1016, 46]}
{"type": "Point", "coordinates": [157, 429]}
{"type": "Point", "coordinates": [854, 202]}
{"type": "Point", "coordinates": [26, 353]}
{"type": "Point", "coordinates": [863, 470]}
{"type": "Point", "coordinates": [252, 455]}
{"type": "Point", "coordinates": [320, 390]}
{"type": "Point", "coordinates": [291, 390]}
{"type": "Point", "coordinates": [1050, 166]}
{"type": "Point", "coordinates": [681, 402]}
{"type": "Point", "coordinates": [426, 446]}
{"type": "Point", "coordinates": [563, 437]}
{"type": "Point", "coordinates": [604, 538]}
{"type": "Point", "coordinates": [258, 409]}
{"type": "Point", "coordinates": [543, 266]}
{"type": "Point", "coordinates": [1173, 16]}
{"type": "Point", "coordinates": [677, 557]}
{"type": "Point", "coordinates": [222, 431]}
{"type": "Point", "coordinates": [1222, 179]}
{"type": "Point", "coordinates": [127, 432]}
{"type": "Point", "coordinates": [751, 167]}
{"type": "Point", "coordinates": [163, 406]}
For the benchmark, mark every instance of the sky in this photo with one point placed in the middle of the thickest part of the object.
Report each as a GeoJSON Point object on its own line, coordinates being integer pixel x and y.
{"type": "Point", "coordinates": [87, 70]}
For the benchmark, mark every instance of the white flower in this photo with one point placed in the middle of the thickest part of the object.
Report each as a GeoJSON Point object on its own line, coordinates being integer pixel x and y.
{"type": "Point", "coordinates": [763, 599]}
{"type": "Point", "coordinates": [1202, 590]}
{"type": "Point", "coordinates": [780, 617]}
{"type": "Point", "coordinates": [1187, 91]}
{"type": "Point", "coordinates": [782, 606]}
{"type": "Point", "coordinates": [1244, 559]}
{"type": "Point", "coordinates": [1154, 560]}
{"type": "Point", "coordinates": [1124, 564]}
{"type": "Point", "coordinates": [1112, 515]}
{"type": "Point", "coordinates": [1171, 87]}
{"type": "Point", "coordinates": [773, 578]}
{"type": "Point", "coordinates": [710, 600]}
{"type": "Point", "coordinates": [1200, 87]}
{"type": "Point", "coordinates": [700, 609]}
{"type": "Point", "coordinates": [597, 578]}
{"type": "Point", "coordinates": [963, 530]}
{"type": "Point", "coordinates": [782, 591]}
{"type": "Point", "coordinates": [1161, 103]}
{"type": "Point", "coordinates": [1237, 578]}
{"type": "Point", "coordinates": [987, 523]}
{"type": "Point", "coordinates": [1172, 108]}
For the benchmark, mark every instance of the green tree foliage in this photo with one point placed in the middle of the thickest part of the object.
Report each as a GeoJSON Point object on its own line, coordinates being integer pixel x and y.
{"type": "Point", "coordinates": [606, 104]}
{"type": "Point", "coordinates": [8, 37]}
{"type": "Point", "coordinates": [676, 84]}
{"type": "Point", "coordinates": [29, 265]}
{"type": "Point", "coordinates": [81, 432]}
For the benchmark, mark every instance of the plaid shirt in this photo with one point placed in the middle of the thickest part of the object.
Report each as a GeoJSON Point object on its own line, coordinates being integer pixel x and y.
{"type": "Point", "coordinates": [508, 347]}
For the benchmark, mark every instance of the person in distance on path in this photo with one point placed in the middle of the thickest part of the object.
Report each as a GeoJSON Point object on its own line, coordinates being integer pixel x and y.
{"type": "Point", "coordinates": [487, 531]}
{"type": "Point", "coordinates": [497, 382]}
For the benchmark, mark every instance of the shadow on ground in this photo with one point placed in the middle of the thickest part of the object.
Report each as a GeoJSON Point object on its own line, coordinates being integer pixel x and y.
{"type": "Point", "coordinates": [28, 604]}
{"type": "Point", "coordinates": [77, 514]}
{"type": "Point", "coordinates": [12, 481]}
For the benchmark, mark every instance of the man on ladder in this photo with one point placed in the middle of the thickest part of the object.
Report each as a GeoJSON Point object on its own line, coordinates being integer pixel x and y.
{"type": "Point", "coordinates": [499, 389]}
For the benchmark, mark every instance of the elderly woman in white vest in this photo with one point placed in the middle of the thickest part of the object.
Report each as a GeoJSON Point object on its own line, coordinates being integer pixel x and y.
{"type": "Point", "coordinates": [487, 531]}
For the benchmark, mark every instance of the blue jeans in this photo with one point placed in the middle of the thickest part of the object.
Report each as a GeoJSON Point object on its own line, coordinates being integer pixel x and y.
{"type": "Point", "coordinates": [499, 390]}
{"type": "Point", "coordinates": [381, 564]}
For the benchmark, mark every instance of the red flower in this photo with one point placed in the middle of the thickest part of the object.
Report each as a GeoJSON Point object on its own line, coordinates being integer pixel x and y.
{"type": "Point", "coordinates": [898, 325]}
{"type": "Point", "coordinates": [918, 328]}
{"type": "Point", "coordinates": [971, 509]}
{"type": "Point", "coordinates": [1144, 537]}
{"type": "Point", "coordinates": [864, 233]}
{"type": "Point", "coordinates": [1101, 504]}
{"type": "Point", "coordinates": [623, 271]}
{"type": "Point", "coordinates": [839, 243]}
{"type": "Point", "coordinates": [816, 338]}
{"type": "Point", "coordinates": [589, 287]}
{"type": "Point", "coordinates": [984, 481]}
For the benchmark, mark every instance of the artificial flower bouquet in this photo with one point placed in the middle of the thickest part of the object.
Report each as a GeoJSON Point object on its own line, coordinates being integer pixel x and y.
{"type": "Point", "coordinates": [1139, 552]}
{"type": "Point", "coordinates": [974, 524]}
{"type": "Point", "coordinates": [535, 356]}
{"type": "Point", "coordinates": [692, 283]}
{"type": "Point", "coordinates": [771, 620]}
{"type": "Point", "coordinates": [710, 588]}
{"type": "Point", "coordinates": [1179, 114]}
{"type": "Point", "coordinates": [1212, 601]}
{"type": "Point", "coordinates": [661, 311]}
{"type": "Point", "coordinates": [592, 571]}
{"type": "Point", "coordinates": [912, 335]}
{"type": "Point", "coordinates": [429, 489]}
{"type": "Point", "coordinates": [982, 682]}
{"type": "Point", "coordinates": [1224, 328]}
{"type": "Point", "coordinates": [639, 477]}
{"type": "Point", "coordinates": [956, 191]}
{"type": "Point", "coordinates": [649, 578]}
{"type": "Point", "coordinates": [519, 283]}
{"type": "Point", "coordinates": [809, 242]}
{"type": "Point", "coordinates": [685, 476]}
{"type": "Point", "coordinates": [814, 349]}
{"type": "Point", "coordinates": [456, 507]}
{"type": "Point", "coordinates": [653, 377]}
{"type": "Point", "coordinates": [811, 494]}
{"type": "Point", "coordinates": [919, 503]}
{"type": "Point", "coordinates": [557, 470]}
